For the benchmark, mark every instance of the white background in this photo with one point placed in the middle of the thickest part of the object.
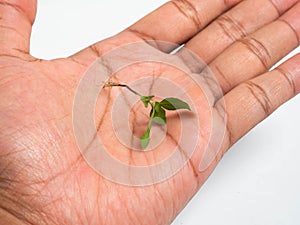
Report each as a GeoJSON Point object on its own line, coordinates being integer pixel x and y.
{"type": "Point", "coordinates": [258, 180]}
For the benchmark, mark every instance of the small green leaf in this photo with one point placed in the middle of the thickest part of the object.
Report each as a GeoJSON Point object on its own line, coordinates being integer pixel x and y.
{"type": "Point", "coordinates": [145, 138]}
{"type": "Point", "coordinates": [146, 100]}
{"type": "Point", "coordinates": [159, 115]}
{"type": "Point", "coordinates": [174, 104]}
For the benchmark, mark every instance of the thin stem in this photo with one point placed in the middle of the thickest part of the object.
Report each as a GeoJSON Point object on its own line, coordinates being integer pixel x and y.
{"type": "Point", "coordinates": [152, 115]}
{"type": "Point", "coordinates": [112, 84]}
{"type": "Point", "coordinates": [133, 91]}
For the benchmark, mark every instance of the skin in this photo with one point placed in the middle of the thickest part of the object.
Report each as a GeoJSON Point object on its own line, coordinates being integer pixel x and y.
{"type": "Point", "coordinates": [43, 177]}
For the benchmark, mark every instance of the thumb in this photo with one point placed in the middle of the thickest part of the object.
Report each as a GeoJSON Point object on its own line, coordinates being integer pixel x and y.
{"type": "Point", "coordinates": [16, 20]}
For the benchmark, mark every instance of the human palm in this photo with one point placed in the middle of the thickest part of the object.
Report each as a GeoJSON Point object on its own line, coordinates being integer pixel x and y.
{"type": "Point", "coordinates": [43, 177]}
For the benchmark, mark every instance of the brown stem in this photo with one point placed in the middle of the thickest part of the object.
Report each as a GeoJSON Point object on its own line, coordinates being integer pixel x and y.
{"type": "Point", "coordinates": [113, 84]}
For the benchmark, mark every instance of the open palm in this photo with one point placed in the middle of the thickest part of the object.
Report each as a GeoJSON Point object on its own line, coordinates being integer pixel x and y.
{"type": "Point", "coordinates": [43, 177]}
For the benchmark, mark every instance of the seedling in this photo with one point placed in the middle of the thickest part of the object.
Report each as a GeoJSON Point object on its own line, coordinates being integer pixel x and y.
{"type": "Point", "coordinates": [157, 112]}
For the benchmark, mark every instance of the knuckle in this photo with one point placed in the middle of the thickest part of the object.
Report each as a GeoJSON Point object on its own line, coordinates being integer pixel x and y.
{"type": "Point", "coordinates": [259, 94]}
{"type": "Point", "coordinates": [95, 50]}
{"type": "Point", "coordinates": [142, 35]}
{"type": "Point", "coordinates": [292, 28]}
{"type": "Point", "coordinates": [259, 49]}
{"type": "Point", "coordinates": [231, 27]}
{"type": "Point", "coordinates": [288, 78]}
{"type": "Point", "coordinates": [230, 3]}
{"type": "Point", "coordinates": [276, 7]}
{"type": "Point", "coordinates": [223, 79]}
{"type": "Point", "coordinates": [187, 9]}
{"type": "Point", "coordinates": [148, 39]}
{"type": "Point", "coordinates": [211, 85]}
{"type": "Point", "coordinates": [230, 135]}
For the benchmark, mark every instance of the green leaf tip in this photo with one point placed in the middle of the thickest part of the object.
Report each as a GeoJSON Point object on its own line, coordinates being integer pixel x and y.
{"type": "Point", "coordinates": [174, 104]}
{"type": "Point", "coordinates": [146, 100]}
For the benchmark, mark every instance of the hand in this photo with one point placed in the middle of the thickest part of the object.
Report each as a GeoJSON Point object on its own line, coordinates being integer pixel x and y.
{"type": "Point", "coordinates": [43, 177]}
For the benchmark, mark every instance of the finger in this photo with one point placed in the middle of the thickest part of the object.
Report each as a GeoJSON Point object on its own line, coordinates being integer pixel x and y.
{"type": "Point", "coordinates": [179, 20]}
{"type": "Point", "coordinates": [235, 24]}
{"type": "Point", "coordinates": [251, 102]}
{"type": "Point", "coordinates": [16, 19]}
{"type": "Point", "coordinates": [174, 22]}
{"type": "Point", "coordinates": [256, 53]}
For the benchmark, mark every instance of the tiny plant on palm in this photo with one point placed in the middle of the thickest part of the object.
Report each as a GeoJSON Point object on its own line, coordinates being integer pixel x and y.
{"type": "Point", "coordinates": [157, 112]}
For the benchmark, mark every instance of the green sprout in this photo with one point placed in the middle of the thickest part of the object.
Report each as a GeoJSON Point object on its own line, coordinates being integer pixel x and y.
{"type": "Point", "coordinates": [158, 109]}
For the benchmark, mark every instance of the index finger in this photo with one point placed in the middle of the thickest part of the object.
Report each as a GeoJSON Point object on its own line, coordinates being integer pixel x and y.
{"type": "Point", "coordinates": [179, 20]}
